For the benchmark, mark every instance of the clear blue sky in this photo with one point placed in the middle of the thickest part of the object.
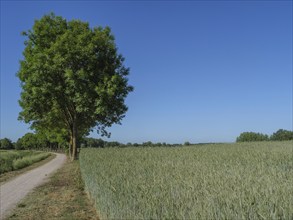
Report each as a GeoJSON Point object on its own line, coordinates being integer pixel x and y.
{"type": "Point", "coordinates": [203, 71]}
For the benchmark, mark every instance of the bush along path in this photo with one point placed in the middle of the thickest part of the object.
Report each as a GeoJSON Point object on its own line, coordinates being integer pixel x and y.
{"type": "Point", "coordinates": [13, 191]}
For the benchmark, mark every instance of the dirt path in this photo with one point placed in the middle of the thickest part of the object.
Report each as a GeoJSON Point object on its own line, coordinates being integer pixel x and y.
{"type": "Point", "coordinates": [15, 190]}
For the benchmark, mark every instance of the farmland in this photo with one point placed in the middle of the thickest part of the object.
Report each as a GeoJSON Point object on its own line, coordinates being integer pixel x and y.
{"type": "Point", "coordinates": [14, 160]}
{"type": "Point", "coordinates": [227, 181]}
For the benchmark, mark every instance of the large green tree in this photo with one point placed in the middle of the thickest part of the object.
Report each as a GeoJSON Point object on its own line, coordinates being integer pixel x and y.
{"type": "Point", "coordinates": [72, 78]}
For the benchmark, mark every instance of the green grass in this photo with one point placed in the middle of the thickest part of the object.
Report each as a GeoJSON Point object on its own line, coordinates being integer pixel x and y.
{"type": "Point", "coordinates": [28, 160]}
{"type": "Point", "coordinates": [219, 181]}
{"type": "Point", "coordinates": [14, 160]}
{"type": "Point", "coordinates": [5, 177]}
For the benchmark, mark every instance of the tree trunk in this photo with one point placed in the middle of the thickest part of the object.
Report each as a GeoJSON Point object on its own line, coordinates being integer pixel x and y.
{"type": "Point", "coordinates": [74, 142]}
{"type": "Point", "coordinates": [70, 146]}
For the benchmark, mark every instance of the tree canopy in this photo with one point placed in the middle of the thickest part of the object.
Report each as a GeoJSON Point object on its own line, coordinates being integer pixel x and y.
{"type": "Point", "coordinates": [279, 135]}
{"type": "Point", "coordinates": [73, 79]}
{"type": "Point", "coordinates": [6, 143]}
{"type": "Point", "coordinates": [282, 135]}
{"type": "Point", "coordinates": [252, 136]}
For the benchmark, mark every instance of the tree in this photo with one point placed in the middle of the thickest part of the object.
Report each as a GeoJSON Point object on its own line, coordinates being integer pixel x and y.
{"type": "Point", "coordinates": [159, 144]}
{"type": "Point", "coordinates": [6, 143]}
{"type": "Point", "coordinates": [282, 135]}
{"type": "Point", "coordinates": [27, 141]}
{"type": "Point", "coordinates": [147, 144]}
{"type": "Point", "coordinates": [113, 144]}
{"type": "Point", "coordinates": [92, 142]}
{"type": "Point", "coordinates": [19, 144]}
{"type": "Point", "coordinates": [51, 139]}
{"type": "Point", "coordinates": [252, 136]}
{"type": "Point", "coordinates": [72, 78]}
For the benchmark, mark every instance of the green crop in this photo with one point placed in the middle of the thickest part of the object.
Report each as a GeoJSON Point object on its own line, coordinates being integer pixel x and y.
{"type": "Point", "coordinates": [220, 181]}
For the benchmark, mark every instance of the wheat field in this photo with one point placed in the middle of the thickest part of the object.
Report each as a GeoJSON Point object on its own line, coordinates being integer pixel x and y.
{"type": "Point", "coordinates": [217, 181]}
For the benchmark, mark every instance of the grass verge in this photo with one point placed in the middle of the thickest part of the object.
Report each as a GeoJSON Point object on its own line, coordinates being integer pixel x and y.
{"type": "Point", "coordinates": [12, 174]}
{"type": "Point", "coordinates": [26, 161]}
{"type": "Point", "coordinates": [62, 197]}
{"type": "Point", "coordinates": [13, 160]}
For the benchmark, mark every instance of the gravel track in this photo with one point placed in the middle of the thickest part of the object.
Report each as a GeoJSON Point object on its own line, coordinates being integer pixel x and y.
{"type": "Point", "coordinates": [13, 191]}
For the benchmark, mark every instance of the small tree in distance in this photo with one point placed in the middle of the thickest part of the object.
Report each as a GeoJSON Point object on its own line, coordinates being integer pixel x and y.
{"type": "Point", "coordinates": [252, 136]}
{"type": "Point", "coordinates": [282, 135]}
{"type": "Point", "coordinates": [6, 143]}
{"type": "Point", "coordinates": [72, 78]}
{"type": "Point", "coordinates": [186, 143]}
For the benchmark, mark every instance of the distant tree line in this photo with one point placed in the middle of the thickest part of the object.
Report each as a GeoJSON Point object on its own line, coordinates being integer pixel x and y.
{"type": "Point", "coordinates": [58, 142]}
{"type": "Point", "coordinates": [99, 143]}
{"type": "Point", "coordinates": [280, 135]}
{"type": "Point", "coordinates": [38, 141]}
